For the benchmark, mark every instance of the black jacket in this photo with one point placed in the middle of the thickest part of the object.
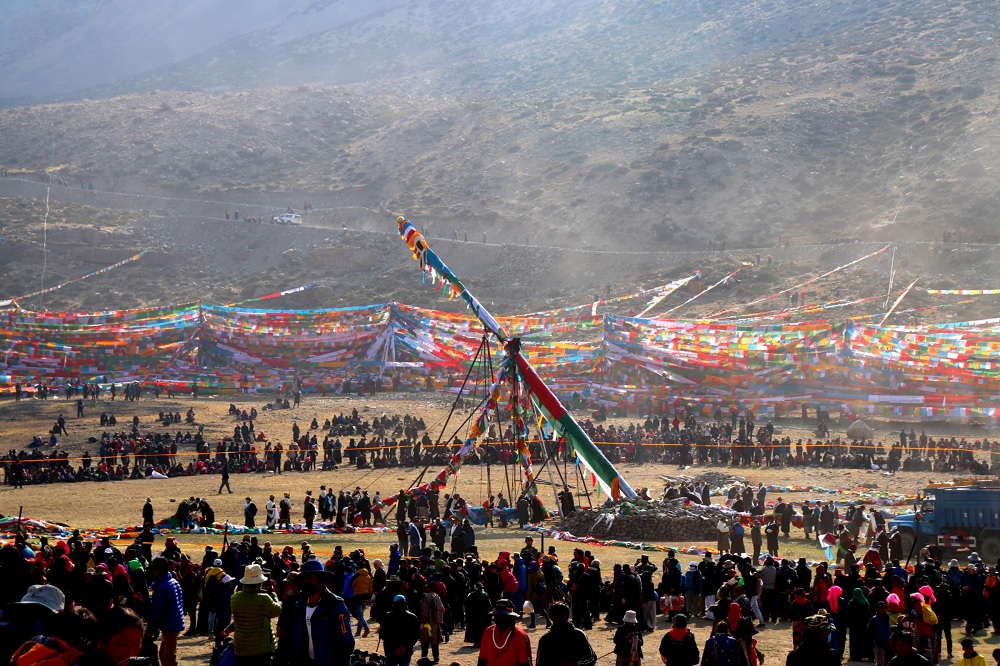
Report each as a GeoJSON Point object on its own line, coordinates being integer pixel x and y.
{"type": "Point", "coordinates": [679, 650]}
{"type": "Point", "coordinates": [400, 631]}
{"type": "Point", "coordinates": [563, 644]}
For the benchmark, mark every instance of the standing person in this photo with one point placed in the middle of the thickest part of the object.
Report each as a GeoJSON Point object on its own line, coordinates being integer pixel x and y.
{"type": "Point", "coordinates": [413, 536]}
{"type": "Point", "coordinates": [563, 643]}
{"type": "Point", "coordinates": [693, 586]}
{"type": "Point", "coordinates": [632, 597]}
{"type": "Point", "coordinates": [879, 632]}
{"type": "Point", "coordinates": [969, 655]}
{"type": "Point", "coordinates": [799, 612]}
{"type": "Point", "coordinates": [504, 643]}
{"type": "Point", "coordinates": [438, 534]}
{"type": "Point", "coordinates": [253, 608]}
{"type": "Point", "coordinates": [755, 540]}
{"type": "Point", "coordinates": [477, 614]}
{"type": "Point", "coordinates": [272, 513]}
{"type": "Point", "coordinates": [721, 649]}
{"type": "Point", "coordinates": [736, 534]}
{"type": "Point", "coordinates": [166, 613]}
{"type": "Point", "coordinates": [678, 646]}
{"type": "Point", "coordinates": [902, 645]}
{"type": "Point", "coordinates": [926, 618]}
{"type": "Point", "coordinates": [321, 624]}
{"type": "Point", "coordinates": [285, 512]}
{"type": "Point", "coordinates": [537, 593]}
{"type": "Point", "coordinates": [400, 631]}
{"type": "Point", "coordinates": [771, 535]}
{"type": "Point", "coordinates": [944, 608]}
{"type": "Point", "coordinates": [723, 532]}
{"type": "Point", "coordinates": [147, 512]}
{"type": "Point", "coordinates": [858, 616]}
{"type": "Point", "coordinates": [815, 648]}
{"type": "Point", "coordinates": [249, 513]}
{"type": "Point", "coordinates": [361, 593]}
{"type": "Point", "coordinates": [628, 642]}
{"type": "Point", "coordinates": [431, 618]}
{"type": "Point", "coordinates": [225, 479]}
{"type": "Point", "coordinates": [309, 512]}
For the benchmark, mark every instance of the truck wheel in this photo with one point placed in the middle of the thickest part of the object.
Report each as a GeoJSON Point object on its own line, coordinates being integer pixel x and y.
{"type": "Point", "coordinates": [906, 541]}
{"type": "Point", "coordinates": [989, 550]}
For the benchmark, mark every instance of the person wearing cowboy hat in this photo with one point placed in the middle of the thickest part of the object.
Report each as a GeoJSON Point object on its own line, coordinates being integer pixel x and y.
{"type": "Point", "coordinates": [815, 648]}
{"type": "Point", "coordinates": [253, 608]}
{"type": "Point", "coordinates": [321, 624]}
{"type": "Point", "coordinates": [504, 643]}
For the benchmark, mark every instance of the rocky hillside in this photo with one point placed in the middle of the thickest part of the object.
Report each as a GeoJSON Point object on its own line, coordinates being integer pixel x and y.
{"type": "Point", "coordinates": [625, 126]}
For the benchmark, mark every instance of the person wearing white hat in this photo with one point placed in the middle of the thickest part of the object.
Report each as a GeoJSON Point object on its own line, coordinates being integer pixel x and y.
{"type": "Point", "coordinates": [49, 596]}
{"type": "Point", "coordinates": [32, 616]}
{"type": "Point", "coordinates": [210, 595]}
{"type": "Point", "coordinates": [253, 608]}
{"type": "Point", "coordinates": [628, 641]}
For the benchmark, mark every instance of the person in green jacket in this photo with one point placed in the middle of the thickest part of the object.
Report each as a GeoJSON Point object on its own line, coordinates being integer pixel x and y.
{"type": "Point", "coordinates": [253, 608]}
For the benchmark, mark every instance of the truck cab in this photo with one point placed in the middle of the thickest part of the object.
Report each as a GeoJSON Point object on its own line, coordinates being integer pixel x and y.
{"type": "Point", "coordinates": [956, 519]}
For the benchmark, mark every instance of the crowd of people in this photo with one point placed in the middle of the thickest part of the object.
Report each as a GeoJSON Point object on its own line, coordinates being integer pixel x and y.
{"type": "Point", "coordinates": [95, 603]}
{"type": "Point", "coordinates": [404, 441]}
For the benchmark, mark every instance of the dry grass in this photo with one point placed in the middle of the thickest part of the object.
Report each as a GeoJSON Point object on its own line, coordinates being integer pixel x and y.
{"type": "Point", "coordinates": [114, 504]}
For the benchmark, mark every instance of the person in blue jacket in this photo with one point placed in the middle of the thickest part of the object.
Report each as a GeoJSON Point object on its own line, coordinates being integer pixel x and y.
{"type": "Point", "coordinates": [166, 613]}
{"type": "Point", "coordinates": [321, 624]}
{"type": "Point", "coordinates": [520, 571]}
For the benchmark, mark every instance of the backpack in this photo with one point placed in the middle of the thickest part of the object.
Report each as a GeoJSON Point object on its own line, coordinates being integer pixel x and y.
{"type": "Point", "coordinates": [787, 581]}
{"type": "Point", "coordinates": [252, 509]}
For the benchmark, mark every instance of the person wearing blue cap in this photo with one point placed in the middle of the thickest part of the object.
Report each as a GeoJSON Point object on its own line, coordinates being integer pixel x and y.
{"type": "Point", "coordinates": [321, 624]}
{"type": "Point", "coordinates": [400, 631]}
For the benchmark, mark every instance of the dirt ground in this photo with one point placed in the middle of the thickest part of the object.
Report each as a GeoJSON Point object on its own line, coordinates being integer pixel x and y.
{"type": "Point", "coordinates": [119, 503]}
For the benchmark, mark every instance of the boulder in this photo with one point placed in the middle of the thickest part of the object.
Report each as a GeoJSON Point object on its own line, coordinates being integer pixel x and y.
{"type": "Point", "coordinates": [860, 430]}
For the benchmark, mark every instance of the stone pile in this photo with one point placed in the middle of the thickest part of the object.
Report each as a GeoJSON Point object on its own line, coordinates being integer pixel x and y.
{"type": "Point", "coordinates": [673, 521]}
{"type": "Point", "coordinates": [713, 479]}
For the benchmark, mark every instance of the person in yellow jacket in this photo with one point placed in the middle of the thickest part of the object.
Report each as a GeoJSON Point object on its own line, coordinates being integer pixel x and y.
{"type": "Point", "coordinates": [361, 594]}
{"type": "Point", "coordinates": [969, 655]}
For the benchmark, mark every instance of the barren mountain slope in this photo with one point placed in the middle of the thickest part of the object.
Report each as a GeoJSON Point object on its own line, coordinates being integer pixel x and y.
{"type": "Point", "coordinates": [628, 126]}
